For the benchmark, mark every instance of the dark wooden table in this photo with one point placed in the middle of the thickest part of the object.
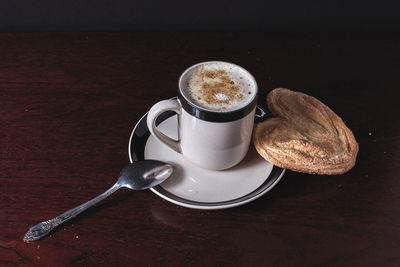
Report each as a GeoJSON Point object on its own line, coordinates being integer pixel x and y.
{"type": "Point", "coordinates": [69, 101]}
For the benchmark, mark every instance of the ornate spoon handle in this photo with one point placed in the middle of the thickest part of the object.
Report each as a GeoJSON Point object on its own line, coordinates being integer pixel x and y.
{"type": "Point", "coordinates": [42, 229]}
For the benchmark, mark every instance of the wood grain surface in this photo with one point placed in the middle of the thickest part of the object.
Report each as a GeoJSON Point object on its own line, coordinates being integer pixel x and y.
{"type": "Point", "coordinates": [69, 101]}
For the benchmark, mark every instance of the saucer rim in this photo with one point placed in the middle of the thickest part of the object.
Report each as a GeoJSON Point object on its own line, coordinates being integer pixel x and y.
{"type": "Point", "coordinates": [265, 187]}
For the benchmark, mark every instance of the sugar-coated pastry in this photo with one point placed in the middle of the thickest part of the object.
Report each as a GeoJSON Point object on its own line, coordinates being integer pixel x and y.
{"type": "Point", "coordinates": [305, 135]}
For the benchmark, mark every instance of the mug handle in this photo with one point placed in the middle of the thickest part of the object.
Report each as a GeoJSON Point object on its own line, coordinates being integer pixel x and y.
{"type": "Point", "coordinates": [157, 110]}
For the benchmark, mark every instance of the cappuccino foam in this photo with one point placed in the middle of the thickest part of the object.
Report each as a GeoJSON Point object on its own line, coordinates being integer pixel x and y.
{"type": "Point", "coordinates": [220, 86]}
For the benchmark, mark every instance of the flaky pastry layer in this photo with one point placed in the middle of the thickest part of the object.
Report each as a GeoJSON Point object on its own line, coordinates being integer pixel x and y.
{"type": "Point", "coordinates": [305, 135]}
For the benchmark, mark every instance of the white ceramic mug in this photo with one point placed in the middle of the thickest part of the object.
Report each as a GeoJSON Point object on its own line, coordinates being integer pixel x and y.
{"type": "Point", "coordinates": [210, 139]}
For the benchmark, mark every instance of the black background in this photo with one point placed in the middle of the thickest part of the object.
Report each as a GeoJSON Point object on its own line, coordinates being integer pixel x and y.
{"type": "Point", "coordinates": [124, 15]}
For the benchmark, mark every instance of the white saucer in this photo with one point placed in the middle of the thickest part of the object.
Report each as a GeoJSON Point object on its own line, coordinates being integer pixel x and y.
{"type": "Point", "coordinates": [194, 187]}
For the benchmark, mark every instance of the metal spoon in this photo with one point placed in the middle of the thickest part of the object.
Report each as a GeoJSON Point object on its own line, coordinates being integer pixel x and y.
{"type": "Point", "coordinates": [136, 176]}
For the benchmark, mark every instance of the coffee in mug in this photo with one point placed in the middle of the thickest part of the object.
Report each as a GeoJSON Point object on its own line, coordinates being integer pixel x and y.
{"type": "Point", "coordinates": [219, 87]}
{"type": "Point", "coordinates": [216, 107]}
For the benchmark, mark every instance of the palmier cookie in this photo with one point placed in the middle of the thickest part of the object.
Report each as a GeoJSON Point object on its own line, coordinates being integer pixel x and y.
{"type": "Point", "coordinates": [305, 135]}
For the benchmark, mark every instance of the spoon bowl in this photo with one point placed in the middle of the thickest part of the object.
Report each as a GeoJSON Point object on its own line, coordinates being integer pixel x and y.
{"type": "Point", "coordinates": [138, 175]}
{"type": "Point", "coordinates": [144, 174]}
